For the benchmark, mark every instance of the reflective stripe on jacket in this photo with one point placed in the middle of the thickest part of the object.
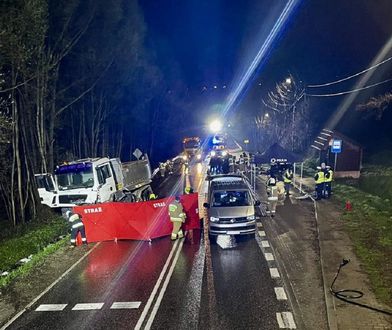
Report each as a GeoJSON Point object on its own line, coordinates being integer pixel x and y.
{"type": "Point", "coordinates": [319, 177]}
{"type": "Point", "coordinates": [328, 176]}
{"type": "Point", "coordinates": [287, 177]}
{"type": "Point", "coordinates": [176, 211]}
{"type": "Point", "coordinates": [75, 221]}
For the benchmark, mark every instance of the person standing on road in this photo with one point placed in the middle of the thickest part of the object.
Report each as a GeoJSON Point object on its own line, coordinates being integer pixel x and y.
{"type": "Point", "coordinates": [76, 226]}
{"type": "Point", "coordinates": [177, 217]}
{"type": "Point", "coordinates": [319, 178]}
{"type": "Point", "coordinates": [287, 179]}
{"type": "Point", "coordinates": [188, 190]}
{"type": "Point", "coordinates": [272, 192]}
{"type": "Point", "coordinates": [328, 182]}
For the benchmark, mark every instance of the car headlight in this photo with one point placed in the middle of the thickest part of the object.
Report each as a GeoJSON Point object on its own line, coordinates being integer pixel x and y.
{"type": "Point", "coordinates": [224, 153]}
{"type": "Point", "coordinates": [250, 217]}
{"type": "Point", "coordinates": [198, 156]}
{"type": "Point", "coordinates": [213, 153]}
{"type": "Point", "coordinates": [213, 219]}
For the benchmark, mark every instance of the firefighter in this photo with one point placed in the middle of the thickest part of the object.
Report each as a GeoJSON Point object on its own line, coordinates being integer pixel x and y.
{"type": "Point", "coordinates": [177, 217]}
{"type": "Point", "coordinates": [188, 190]}
{"type": "Point", "coordinates": [287, 179]}
{"type": "Point", "coordinates": [272, 192]}
{"type": "Point", "coordinates": [162, 169]}
{"type": "Point", "coordinates": [231, 164]}
{"type": "Point", "coordinates": [319, 181]}
{"type": "Point", "coordinates": [76, 226]}
{"type": "Point", "coordinates": [328, 182]}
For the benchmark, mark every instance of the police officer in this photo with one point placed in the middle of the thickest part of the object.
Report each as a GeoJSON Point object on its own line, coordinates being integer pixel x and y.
{"type": "Point", "coordinates": [76, 226]}
{"type": "Point", "coordinates": [319, 178]}
{"type": "Point", "coordinates": [328, 182]}
{"type": "Point", "coordinates": [177, 217]}
{"type": "Point", "coordinates": [287, 179]}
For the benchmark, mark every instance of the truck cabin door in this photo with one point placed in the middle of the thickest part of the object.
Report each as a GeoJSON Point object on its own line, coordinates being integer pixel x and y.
{"type": "Point", "coordinates": [107, 184]}
{"type": "Point", "coordinates": [47, 188]}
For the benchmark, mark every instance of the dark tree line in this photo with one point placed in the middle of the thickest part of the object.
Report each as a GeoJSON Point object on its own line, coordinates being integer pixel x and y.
{"type": "Point", "coordinates": [75, 81]}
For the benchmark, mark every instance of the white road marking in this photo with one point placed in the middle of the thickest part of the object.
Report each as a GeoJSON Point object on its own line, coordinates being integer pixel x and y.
{"type": "Point", "coordinates": [126, 305]}
{"type": "Point", "coordinates": [286, 320]}
{"type": "Point", "coordinates": [154, 291]}
{"type": "Point", "coordinates": [261, 233]}
{"type": "Point", "coordinates": [259, 225]}
{"type": "Point", "coordinates": [5, 326]}
{"type": "Point", "coordinates": [265, 244]}
{"type": "Point", "coordinates": [274, 272]}
{"type": "Point", "coordinates": [50, 307]}
{"type": "Point", "coordinates": [87, 306]}
{"type": "Point", "coordinates": [269, 256]}
{"type": "Point", "coordinates": [280, 293]}
{"type": "Point", "coordinates": [163, 289]}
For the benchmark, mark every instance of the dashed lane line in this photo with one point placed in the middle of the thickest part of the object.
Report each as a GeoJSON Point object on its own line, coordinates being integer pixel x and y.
{"type": "Point", "coordinates": [87, 306]}
{"type": "Point", "coordinates": [265, 244]}
{"type": "Point", "coordinates": [262, 233]}
{"type": "Point", "coordinates": [126, 305]}
{"type": "Point", "coordinates": [274, 272]}
{"type": "Point", "coordinates": [259, 225]}
{"type": "Point", "coordinates": [269, 256]}
{"type": "Point", "coordinates": [280, 293]}
{"type": "Point", "coordinates": [286, 320]}
{"type": "Point", "coordinates": [50, 307]}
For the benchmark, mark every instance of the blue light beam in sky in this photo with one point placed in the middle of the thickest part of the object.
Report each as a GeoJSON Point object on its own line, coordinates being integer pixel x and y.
{"type": "Point", "coordinates": [261, 54]}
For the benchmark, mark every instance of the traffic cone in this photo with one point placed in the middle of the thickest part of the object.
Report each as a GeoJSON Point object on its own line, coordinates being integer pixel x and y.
{"type": "Point", "coordinates": [348, 206]}
{"type": "Point", "coordinates": [79, 239]}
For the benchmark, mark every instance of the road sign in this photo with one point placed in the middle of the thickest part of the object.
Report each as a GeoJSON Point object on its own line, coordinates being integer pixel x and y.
{"type": "Point", "coordinates": [137, 153]}
{"type": "Point", "coordinates": [336, 146]}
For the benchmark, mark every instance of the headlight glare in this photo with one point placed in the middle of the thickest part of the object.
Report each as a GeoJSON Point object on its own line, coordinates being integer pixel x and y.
{"type": "Point", "coordinates": [213, 219]}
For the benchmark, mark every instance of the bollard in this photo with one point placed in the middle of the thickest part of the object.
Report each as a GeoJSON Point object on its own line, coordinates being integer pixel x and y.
{"type": "Point", "coordinates": [348, 206]}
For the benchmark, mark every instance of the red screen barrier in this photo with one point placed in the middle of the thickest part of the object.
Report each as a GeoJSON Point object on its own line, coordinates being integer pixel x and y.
{"type": "Point", "coordinates": [138, 221]}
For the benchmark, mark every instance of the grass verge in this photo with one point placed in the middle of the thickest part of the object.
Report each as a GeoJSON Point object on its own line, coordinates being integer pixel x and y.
{"type": "Point", "coordinates": [37, 259]}
{"type": "Point", "coordinates": [37, 239]}
{"type": "Point", "coordinates": [369, 225]}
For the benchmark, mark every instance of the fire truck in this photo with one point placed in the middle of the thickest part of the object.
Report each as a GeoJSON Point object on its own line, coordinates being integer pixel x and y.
{"type": "Point", "coordinates": [192, 149]}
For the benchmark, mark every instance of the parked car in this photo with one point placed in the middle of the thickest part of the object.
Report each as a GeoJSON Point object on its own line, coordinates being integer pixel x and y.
{"type": "Point", "coordinates": [231, 206]}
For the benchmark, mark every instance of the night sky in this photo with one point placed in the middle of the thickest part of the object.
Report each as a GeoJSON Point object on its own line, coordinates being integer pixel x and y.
{"type": "Point", "coordinates": [211, 42]}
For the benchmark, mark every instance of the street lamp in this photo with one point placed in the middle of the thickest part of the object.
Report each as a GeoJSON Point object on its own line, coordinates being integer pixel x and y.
{"type": "Point", "coordinates": [288, 81]}
{"type": "Point", "coordinates": [215, 126]}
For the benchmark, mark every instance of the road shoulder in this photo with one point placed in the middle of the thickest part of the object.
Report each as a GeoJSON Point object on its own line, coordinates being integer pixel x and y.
{"type": "Point", "coordinates": [336, 246]}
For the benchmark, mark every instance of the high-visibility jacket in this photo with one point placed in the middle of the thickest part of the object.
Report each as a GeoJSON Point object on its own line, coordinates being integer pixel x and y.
{"type": "Point", "coordinates": [319, 177]}
{"type": "Point", "coordinates": [176, 211]}
{"type": "Point", "coordinates": [287, 177]}
{"type": "Point", "coordinates": [273, 193]}
{"type": "Point", "coordinates": [328, 176]}
{"type": "Point", "coordinates": [152, 196]}
{"type": "Point", "coordinates": [75, 221]}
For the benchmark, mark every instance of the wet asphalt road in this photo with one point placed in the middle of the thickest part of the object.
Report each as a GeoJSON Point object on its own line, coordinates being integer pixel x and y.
{"type": "Point", "coordinates": [170, 285]}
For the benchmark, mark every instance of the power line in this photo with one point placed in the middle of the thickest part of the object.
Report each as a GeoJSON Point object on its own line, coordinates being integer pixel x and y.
{"type": "Point", "coordinates": [351, 91]}
{"type": "Point", "coordinates": [352, 76]}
